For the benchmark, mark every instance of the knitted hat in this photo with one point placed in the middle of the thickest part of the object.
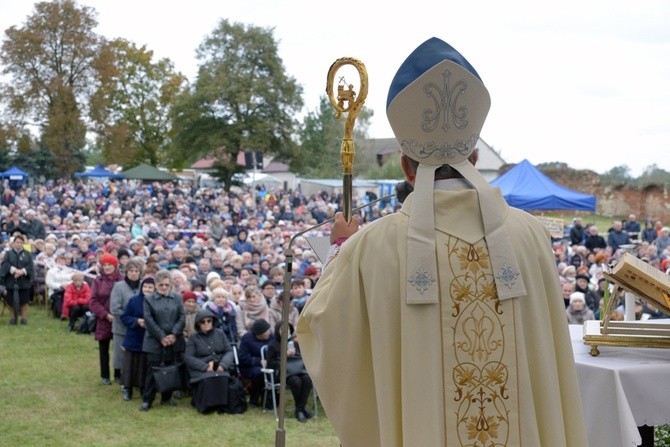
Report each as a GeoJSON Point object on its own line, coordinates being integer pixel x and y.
{"type": "Point", "coordinates": [211, 276]}
{"type": "Point", "coordinates": [582, 276]}
{"type": "Point", "coordinates": [109, 259]}
{"type": "Point", "coordinates": [188, 295]}
{"type": "Point", "coordinates": [436, 106]}
{"type": "Point", "coordinates": [577, 296]}
{"type": "Point", "coordinates": [259, 326]}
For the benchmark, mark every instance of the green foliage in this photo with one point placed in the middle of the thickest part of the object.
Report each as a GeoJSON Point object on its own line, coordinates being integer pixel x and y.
{"type": "Point", "coordinates": [321, 141]}
{"type": "Point", "coordinates": [653, 175]}
{"type": "Point", "coordinates": [40, 163]}
{"type": "Point", "coordinates": [617, 175]}
{"type": "Point", "coordinates": [662, 436]}
{"type": "Point", "coordinates": [391, 170]}
{"type": "Point", "coordinates": [242, 99]}
{"type": "Point", "coordinates": [51, 396]}
{"type": "Point", "coordinates": [48, 64]}
{"type": "Point", "coordinates": [131, 107]}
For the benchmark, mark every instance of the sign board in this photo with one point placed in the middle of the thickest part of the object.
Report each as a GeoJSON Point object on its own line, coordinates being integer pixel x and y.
{"type": "Point", "coordinates": [555, 226]}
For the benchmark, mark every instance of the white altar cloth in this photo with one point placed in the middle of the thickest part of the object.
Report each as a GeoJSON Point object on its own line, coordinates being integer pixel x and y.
{"type": "Point", "coordinates": [621, 389]}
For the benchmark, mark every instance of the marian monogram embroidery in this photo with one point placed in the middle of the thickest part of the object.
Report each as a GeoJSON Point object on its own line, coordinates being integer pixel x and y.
{"type": "Point", "coordinates": [447, 111]}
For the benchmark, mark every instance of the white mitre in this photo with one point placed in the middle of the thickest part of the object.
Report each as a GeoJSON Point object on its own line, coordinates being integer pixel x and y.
{"type": "Point", "coordinates": [436, 106]}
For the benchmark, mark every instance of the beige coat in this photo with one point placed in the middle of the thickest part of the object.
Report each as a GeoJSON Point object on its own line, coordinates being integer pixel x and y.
{"type": "Point", "coordinates": [469, 371]}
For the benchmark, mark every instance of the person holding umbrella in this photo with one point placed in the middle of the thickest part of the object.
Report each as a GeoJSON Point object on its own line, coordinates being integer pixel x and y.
{"type": "Point", "coordinates": [17, 273]}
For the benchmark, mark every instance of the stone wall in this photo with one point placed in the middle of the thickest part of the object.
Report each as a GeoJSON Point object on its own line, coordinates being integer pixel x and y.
{"type": "Point", "coordinates": [650, 202]}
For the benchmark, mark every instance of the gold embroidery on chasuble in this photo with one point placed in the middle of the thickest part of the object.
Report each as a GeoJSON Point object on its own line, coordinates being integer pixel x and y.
{"type": "Point", "coordinates": [479, 353]}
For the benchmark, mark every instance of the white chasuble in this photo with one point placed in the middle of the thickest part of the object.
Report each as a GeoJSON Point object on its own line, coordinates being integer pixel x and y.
{"type": "Point", "coordinates": [467, 371]}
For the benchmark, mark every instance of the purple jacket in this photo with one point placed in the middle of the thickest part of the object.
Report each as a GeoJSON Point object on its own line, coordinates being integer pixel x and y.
{"type": "Point", "coordinates": [99, 305]}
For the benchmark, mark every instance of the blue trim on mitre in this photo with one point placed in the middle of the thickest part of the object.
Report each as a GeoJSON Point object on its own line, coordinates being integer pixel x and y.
{"type": "Point", "coordinates": [427, 55]}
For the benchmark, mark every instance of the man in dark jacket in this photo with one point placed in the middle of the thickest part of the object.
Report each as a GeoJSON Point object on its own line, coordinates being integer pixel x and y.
{"type": "Point", "coordinates": [577, 232]}
{"type": "Point", "coordinates": [34, 226]}
{"type": "Point", "coordinates": [17, 273]}
{"type": "Point", "coordinates": [108, 226]}
{"type": "Point", "coordinates": [594, 240]}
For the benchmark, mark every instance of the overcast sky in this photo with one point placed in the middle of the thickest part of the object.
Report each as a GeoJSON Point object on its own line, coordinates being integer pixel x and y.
{"type": "Point", "coordinates": [581, 82]}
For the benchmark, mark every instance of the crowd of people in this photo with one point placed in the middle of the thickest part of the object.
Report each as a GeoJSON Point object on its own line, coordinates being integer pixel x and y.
{"type": "Point", "coordinates": [163, 269]}
{"type": "Point", "coordinates": [580, 257]}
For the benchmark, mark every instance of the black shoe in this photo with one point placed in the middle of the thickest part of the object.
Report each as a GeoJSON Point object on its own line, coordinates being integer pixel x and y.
{"type": "Point", "coordinates": [127, 393]}
{"type": "Point", "coordinates": [12, 321]}
{"type": "Point", "coordinates": [106, 381]}
{"type": "Point", "coordinates": [145, 406]}
{"type": "Point", "coordinates": [308, 414]}
{"type": "Point", "coordinates": [300, 416]}
{"type": "Point", "coordinates": [23, 321]}
{"type": "Point", "coordinates": [169, 403]}
{"type": "Point", "coordinates": [70, 327]}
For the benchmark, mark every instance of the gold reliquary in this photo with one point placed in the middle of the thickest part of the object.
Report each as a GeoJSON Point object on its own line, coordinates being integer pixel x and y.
{"type": "Point", "coordinates": [648, 284]}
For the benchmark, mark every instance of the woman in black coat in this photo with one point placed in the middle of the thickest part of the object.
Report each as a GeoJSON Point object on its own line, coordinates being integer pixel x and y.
{"type": "Point", "coordinates": [17, 273]}
{"type": "Point", "coordinates": [297, 378]}
{"type": "Point", "coordinates": [208, 356]}
{"type": "Point", "coordinates": [164, 321]}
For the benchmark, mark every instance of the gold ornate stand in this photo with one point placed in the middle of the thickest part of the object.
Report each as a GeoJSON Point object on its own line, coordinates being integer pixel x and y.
{"type": "Point", "coordinates": [634, 278]}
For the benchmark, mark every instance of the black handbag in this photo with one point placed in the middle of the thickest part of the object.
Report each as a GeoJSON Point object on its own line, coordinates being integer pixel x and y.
{"type": "Point", "coordinates": [295, 365]}
{"type": "Point", "coordinates": [168, 377]}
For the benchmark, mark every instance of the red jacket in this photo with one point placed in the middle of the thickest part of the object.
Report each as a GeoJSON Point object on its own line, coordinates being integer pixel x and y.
{"type": "Point", "coordinates": [75, 297]}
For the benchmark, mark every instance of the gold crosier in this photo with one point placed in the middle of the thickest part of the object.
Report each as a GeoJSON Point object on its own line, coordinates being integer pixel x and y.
{"type": "Point", "coordinates": [347, 101]}
{"type": "Point", "coordinates": [354, 103]}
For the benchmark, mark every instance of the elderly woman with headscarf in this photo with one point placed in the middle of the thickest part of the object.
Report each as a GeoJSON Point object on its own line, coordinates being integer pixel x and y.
{"type": "Point", "coordinates": [252, 308]}
{"type": "Point", "coordinates": [208, 355]}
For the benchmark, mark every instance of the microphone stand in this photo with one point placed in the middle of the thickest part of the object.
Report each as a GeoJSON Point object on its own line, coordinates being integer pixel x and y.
{"type": "Point", "coordinates": [280, 435]}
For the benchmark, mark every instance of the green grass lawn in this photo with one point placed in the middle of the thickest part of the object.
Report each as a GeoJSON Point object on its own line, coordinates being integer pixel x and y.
{"type": "Point", "coordinates": [50, 395]}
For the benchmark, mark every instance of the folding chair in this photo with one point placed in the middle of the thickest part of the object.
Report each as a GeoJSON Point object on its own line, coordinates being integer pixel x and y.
{"type": "Point", "coordinates": [272, 386]}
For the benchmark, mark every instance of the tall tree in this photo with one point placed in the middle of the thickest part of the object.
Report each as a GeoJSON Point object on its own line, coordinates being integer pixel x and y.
{"type": "Point", "coordinates": [131, 108]}
{"type": "Point", "coordinates": [48, 62]}
{"type": "Point", "coordinates": [242, 100]}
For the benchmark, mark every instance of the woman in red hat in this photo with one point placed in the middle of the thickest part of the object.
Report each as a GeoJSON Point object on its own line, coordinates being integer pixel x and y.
{"type": "Point", "coordinates": [99, 305]}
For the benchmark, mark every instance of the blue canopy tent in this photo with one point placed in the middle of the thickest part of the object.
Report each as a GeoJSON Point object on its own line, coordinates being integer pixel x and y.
{"type": "Point", "coordinates": [526, 187]}
{"type": "Point", "coordinates": [15, 175]}
{"type": "Point", "coordinates": [99, 172]}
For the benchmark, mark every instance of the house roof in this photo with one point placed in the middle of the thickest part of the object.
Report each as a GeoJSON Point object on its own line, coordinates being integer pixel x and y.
{"type": "Point", "coordinates": [489, 159]}
{"type": "Point", "coordinates": [204, 163]}
{"type": "Point", "coordinates": [146, 172]}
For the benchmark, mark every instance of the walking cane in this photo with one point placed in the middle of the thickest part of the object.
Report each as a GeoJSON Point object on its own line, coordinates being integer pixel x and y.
{"type": "Point", "coordinates": [15, 303]}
